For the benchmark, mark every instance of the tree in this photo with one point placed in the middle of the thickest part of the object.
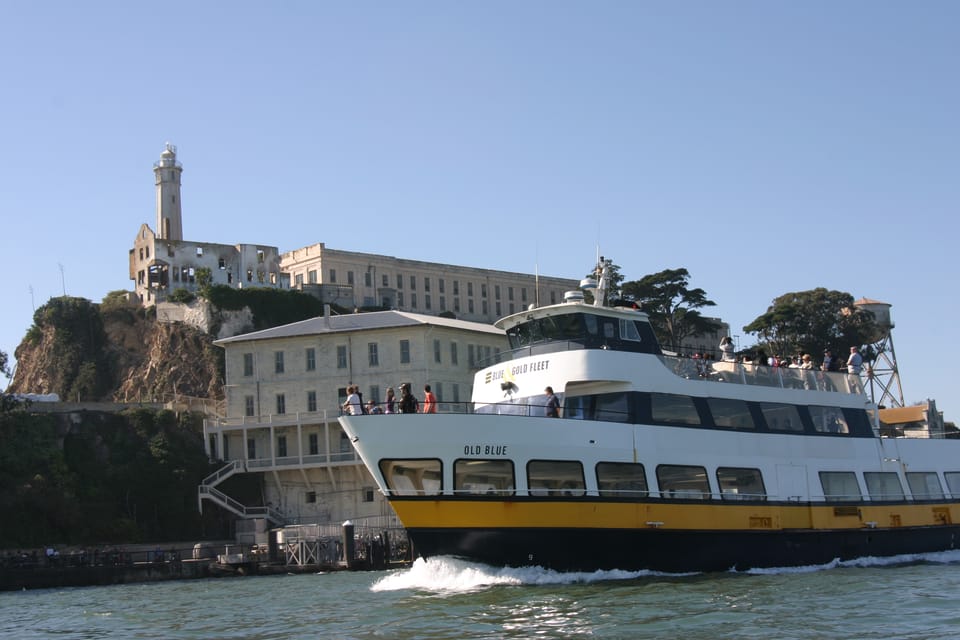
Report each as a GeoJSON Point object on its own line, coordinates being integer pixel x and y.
{"type": "Point", "coordinates": [672, 305]}
{"type": "Point", "coordinates": [812, 321]}
{"type": "Point", "coordinates": [4, 366]}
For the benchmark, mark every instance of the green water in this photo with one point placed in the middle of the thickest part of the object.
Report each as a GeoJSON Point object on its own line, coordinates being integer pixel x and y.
{"type": "Point", "coordinates": [446, 598]}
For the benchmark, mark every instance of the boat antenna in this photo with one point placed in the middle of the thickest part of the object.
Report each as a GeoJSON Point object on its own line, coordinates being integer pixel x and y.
{"type": "Point", "coordinates": [603, 282]}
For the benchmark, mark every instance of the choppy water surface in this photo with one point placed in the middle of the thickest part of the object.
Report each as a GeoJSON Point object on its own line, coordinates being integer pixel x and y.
{"type": "Point", "coordinates": [907, 597]}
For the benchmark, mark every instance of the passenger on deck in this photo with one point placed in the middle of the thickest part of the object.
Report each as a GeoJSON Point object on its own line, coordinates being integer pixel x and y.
{"type": "Point", "coordinates": [552, 407]}
{"type": "Point", "coordinates": [727, 349]}
{"type": "Point", "coordinates": [429, 400]}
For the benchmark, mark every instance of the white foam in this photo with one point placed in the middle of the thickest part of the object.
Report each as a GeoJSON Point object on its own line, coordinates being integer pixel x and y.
{"type": "Point", "coordinates": [935, 557]}
{"type": "Point", "coordinates": [447, 574]}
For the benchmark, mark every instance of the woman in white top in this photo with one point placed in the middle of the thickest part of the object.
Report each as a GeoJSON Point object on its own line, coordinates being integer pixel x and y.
{"type": "Point", "coordinates": [727, 349]}
{"type": "Point", "coordinates": [352, 405]}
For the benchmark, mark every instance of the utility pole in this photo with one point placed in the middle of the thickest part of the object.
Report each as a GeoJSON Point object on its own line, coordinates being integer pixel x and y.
{"type": "Point", "coordinates": [63, 281]}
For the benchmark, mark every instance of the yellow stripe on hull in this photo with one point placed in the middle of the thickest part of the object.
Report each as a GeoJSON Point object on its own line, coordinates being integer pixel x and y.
{"type": "Point", "coordinates": [698, 516]}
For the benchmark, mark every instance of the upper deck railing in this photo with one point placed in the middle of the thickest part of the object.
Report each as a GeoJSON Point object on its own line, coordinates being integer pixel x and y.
{"type": "Point", "coordinates": [764, 376]}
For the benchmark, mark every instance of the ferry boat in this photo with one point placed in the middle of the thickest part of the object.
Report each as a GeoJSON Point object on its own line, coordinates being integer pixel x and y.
{"type": "Point", "coordinates": [656, 461]}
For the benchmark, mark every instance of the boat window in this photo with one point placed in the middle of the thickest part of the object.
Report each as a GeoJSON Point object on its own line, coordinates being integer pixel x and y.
{"type": "Point", "coordinates": [781, 417]}
{"type": "Point", "coordinates": [839, 486]}
{"type": "Point", "coordinates": [628, 330]}
{"type": "Point", "coordinates": [859, 422]}
{"type": "Point", "coordinates": [924, 485]}
{"type": "Point", "coordinates": [883, 485]}
{"type": "Point", "coordinates": [621, 480]}
{"type": "Point", "coordinates": [590, 321]}
{"type": "Point", "coordinates": [555, 478]}
{"type": "Point", "coordinates": [829, 420]}
{"type": "Point", "coordinates": [613, 407]}
{"type": "Point", "coordinates": [730, 413]}
{"type": "Point", "coordinates": [741, 484]}
{"type": "Point", "coordinates": [412, 477]}
{"type": "Point", "coordinates": [953, 482]}
{"type": "Point", "coordinates": [483, 477]}
{"type": "Point", "coordinates": [683, 482]}
{"type": "Point", "coordinates": [673, 409]}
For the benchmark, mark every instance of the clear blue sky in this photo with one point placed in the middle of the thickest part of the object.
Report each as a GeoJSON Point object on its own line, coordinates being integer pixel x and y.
{"type": "Point", "coordinates": [767, 147]}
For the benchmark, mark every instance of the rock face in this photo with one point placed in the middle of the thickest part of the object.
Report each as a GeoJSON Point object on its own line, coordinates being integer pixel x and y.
{"type": "Point", "coordinates": [122, 354]}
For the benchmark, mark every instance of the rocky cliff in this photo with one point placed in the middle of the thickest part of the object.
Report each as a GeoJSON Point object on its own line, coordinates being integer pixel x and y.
{"type": "Point", "coordinates": [88, 352]}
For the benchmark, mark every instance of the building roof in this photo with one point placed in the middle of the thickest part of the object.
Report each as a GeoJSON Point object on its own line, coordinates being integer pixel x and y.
{"type": "Point", "coordinates": [321, 325]}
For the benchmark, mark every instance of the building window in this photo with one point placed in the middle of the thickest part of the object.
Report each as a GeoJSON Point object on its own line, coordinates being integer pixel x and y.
{"type": "Point", "coordinates": [367, 279]}
{"type": "Point", "coordinates": [456, 392]}
{"type": "Point", "coordinates": [385, 280]}
{"type": "Point", "coordinates": [499, 312]}
{"type": "Point", "coordinates": [248, 364]}
{"type": "Point", "coordinates": [470, 305]}
{"type": "Point", "coordinates": [399, 281]}
{"type": "Point", "coordinates": [483, 304]}
{"type": "Point", "coordinates": [440, 282]}
{"type": "Point", "coordinates": [311, 401]}
{"type": "Point", "coordinates": [251, 449]}
{"type": "Point", "coordinates": [311, 359]}
{"type": "Point", "coordinates": [523, 294]}
{"type": "Point", "coordinates": [298, 280]}
{"type": "Point", "coordinates": [456, 287]}
{"type": "Point", "coordinates": [413, 301]}
{"type": "Point", "coordinates": [512, 308]}
{"type": "Point", "coordinates": [281, 446]}
{"type": "Point", "coordinates": [281, 404]}
{"type": "Point", "coordinates": [405, 351]}
{"type": "Point", "coordinates": [436, 351]}
{"type": "Point", "coordinates": [426, 284]}
{"type": "Point", "coordinates": [469, 288]}
{"type": "Point", "coordinates": [471, 358]}
{"type": "Point", "coordinates": [413, 282]}
{"type": "Point", "coordinates": [341, 356]}
{"type": "Point", "coordinates": [222, 264]}
{"type": "Point", "coordinates": [310, 497]}
{"type": "Point", "coordinates": [373, 357]}
{"type": "Point", "coordinates": [248, 407]}
{"type": "Point", "coordinates": [400, 298]}
{"type": "Point", "coordinates": [483, 290]}
{"type": "Point", "coordinates": [426, 301]}
{"type": "Point", "coordinates": [333, 275]}
{"type": "Point", "coordinates": [443, 303]}
{"type": "Point", "coordinates": [496, 292]}
{"type": "Point", "coordinates": [368, 494]}
{"type": "Point", "coordinates": [313, 441]}
{"type": "Point", "coordinates": [312, 276]}
{"type": "Point", "coordinates": [456, 305]}
{"type": "Point", "coordinates": [350, 277]}
{"type": "Point", "coordinates": [278, 361]}
{"type": "Point", "coordinates": [453, 353]}
{"type": "Point", "coordinates": [509, 293]}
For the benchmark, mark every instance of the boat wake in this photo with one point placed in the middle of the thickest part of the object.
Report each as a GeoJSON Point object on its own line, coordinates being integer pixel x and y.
{"type": "Point", "coordinates": [446, 574]}
{"type": "Point", "coordinates": [452, 575]}
{"type": "Point", "coordinates": [937, 557]}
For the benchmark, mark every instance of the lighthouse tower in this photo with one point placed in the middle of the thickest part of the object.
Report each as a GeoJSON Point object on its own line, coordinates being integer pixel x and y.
{"type": "Point", "coordinates": [883, 376]}
{"type": "Point", "coordinates": [167, 173]}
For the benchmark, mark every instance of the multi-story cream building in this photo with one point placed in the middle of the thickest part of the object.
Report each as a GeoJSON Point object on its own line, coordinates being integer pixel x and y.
{"type": "Point", "coordinates": [161, 261]}
{"type": "Point", "coordinates": [365, 280]}
{"type": "Point", "coordinates": [285, 387]}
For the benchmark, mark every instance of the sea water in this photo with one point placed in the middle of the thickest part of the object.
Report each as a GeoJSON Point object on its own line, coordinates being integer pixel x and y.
{"type": "Point", "coordinates": [904, 597]}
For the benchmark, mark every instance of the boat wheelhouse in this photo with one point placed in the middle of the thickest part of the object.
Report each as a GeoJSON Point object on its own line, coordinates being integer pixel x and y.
{"type": "Point", "coordinates": [656, 461]}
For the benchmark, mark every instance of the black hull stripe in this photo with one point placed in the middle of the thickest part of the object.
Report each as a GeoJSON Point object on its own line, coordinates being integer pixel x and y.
{"type": "Point", "coordinates": [675, 551]}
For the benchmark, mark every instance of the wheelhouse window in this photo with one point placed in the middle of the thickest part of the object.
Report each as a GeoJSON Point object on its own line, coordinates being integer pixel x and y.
{"type": "Point", "coordinates": [924, 485]}
{"type": "Point", "coordinates": [613, 407]}
{"type": "Point", "coordinates": [483, 477]}
{"type": "Point", "coordinates": [555, 478]}
{"type": "Point", "coordinates": [839, 486]}
{"type": "Point", "coordinates": [733, 414]}
{"type": "Point", "coordinates": [673, 409]}
{"type": "Point", "coordinates": [829, 420]}
{"type": "Point", "coordinates": [883, 485]}
{"type": "Point", "coordinates": [740, 484]}
{"type": "Point", "coordinates": [683, 482]}
{"type": "Point", "coordinates": [781, 417]}
{"type": "Point", "coordinates": [953, 483]}
{"type": "Point", "coordinates": [412, 477]}
{"type": "Point", "coordinates": [621, 480]}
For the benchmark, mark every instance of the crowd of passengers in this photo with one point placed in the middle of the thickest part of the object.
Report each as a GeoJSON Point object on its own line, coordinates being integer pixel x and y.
{"type": "Point", "coordinates": [803, 360]}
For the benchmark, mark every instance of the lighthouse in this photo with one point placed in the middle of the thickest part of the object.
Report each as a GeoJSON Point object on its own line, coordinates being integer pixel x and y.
{"type": "Point", "coordinates": [167, 173]}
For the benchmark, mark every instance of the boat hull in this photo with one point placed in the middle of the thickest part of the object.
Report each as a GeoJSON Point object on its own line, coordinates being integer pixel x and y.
{"type": "Point", "coordinates": [676, 551]}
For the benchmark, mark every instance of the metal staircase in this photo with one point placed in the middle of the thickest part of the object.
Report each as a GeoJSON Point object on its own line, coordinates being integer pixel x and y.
{"type": "Point", "coordinates": [208, 491]}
